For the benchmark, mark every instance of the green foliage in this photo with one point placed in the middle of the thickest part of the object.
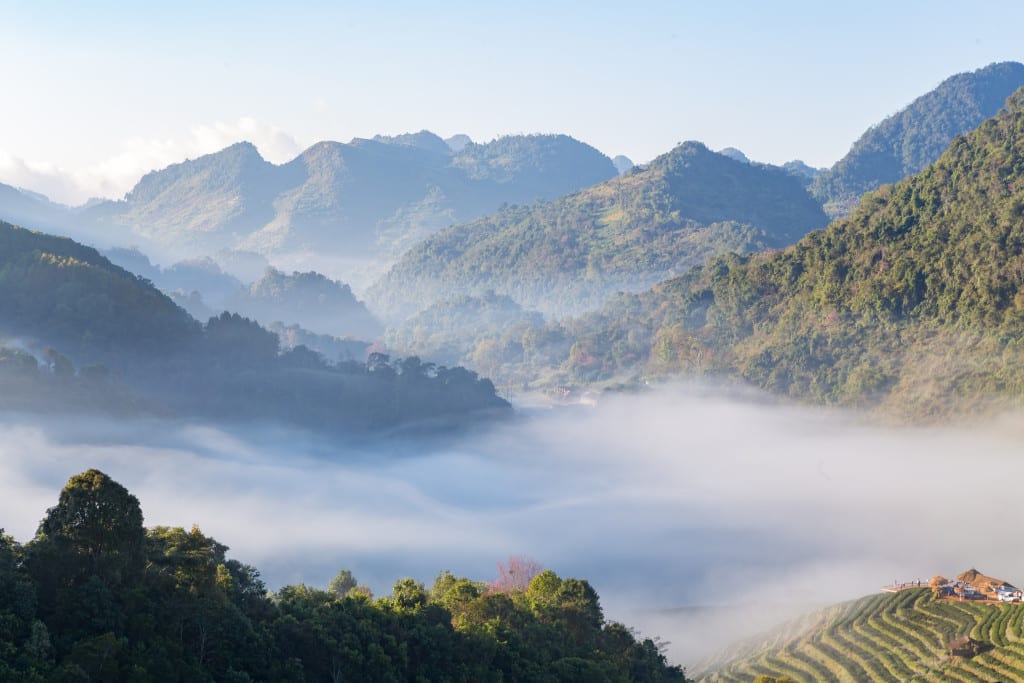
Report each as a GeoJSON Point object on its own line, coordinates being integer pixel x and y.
{"type": "Point", "coordinates": [309, 299]}
{"type": "Point", "coordinates": [569, 255]}
{"type": "Point", "coordinates": [885, 637]}
{"type": "Point", "coordinates": [914, 303]}
{"type": "Point", "coordinates": [188, 613]}
{"type": "Point", "coordinates": [141, 352]}
{"type": "Point", "coordinates": [908, 141]}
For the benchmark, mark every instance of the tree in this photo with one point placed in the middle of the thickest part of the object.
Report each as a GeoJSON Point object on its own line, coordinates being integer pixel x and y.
{"type": "Point", "coordinates": [342, 584]}
{"type": "Point", "coordinates": [515, 574]}
{"type": "Point", "coordinates": [408, 594]}
{"type": "Point", "coordinates": [97, 521]}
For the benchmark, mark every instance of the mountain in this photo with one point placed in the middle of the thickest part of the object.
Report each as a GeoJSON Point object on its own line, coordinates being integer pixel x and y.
{"type": "Point", "coordinates": [622, 164]}
{"type": "Point", "coordinates": [804, 172]}
{"type": "Point", "coordinates": [64, 305]}
{"type": "Point", "coordinates": [455, 331]}
{"type": "Point", "coordinates": [315, 302]}
{"type": "Point", "coordinates": [914, 304]}
{"type": "Point", "coordinates": [885, 637]}
{"type": "Point", "coordinates": [734, 153]}
{"type": "Point", "coordinates": [366, 199]}
{"type": "Point", "coordinates": [457, 142]}
{"type": "Point", "coordinates": [58, 292]}
{"type": "Point", "coordinates": [624, 234]}
{"type": "Point", "coordinates": [23, 207]}
{"type": "Point", "coordinates": [908, 141]}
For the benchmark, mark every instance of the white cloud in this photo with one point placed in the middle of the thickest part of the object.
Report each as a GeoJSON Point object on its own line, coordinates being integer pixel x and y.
{"type": "Point", "coordinates": [117, 174]}
{"type": "Point", "coordinates": [671, 500]}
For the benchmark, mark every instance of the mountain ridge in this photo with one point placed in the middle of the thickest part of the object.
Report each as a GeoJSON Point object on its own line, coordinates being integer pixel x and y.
{"type": "Point", "coordinates": [909, 140]}
{"type": "Point", "coordinates": [627, 233]}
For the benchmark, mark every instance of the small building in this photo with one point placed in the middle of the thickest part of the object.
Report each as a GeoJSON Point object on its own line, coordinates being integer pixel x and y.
{"type": "Point", "coordinates": [964, 646]}
{"type": "Point", "coordinates": [969, 593]}
{"type": "Point", "coordinates": [1007, 593]}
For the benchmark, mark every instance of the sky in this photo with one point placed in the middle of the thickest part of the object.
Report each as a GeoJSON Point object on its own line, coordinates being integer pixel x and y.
{"type": "Point", "coordinates": [96, 94]}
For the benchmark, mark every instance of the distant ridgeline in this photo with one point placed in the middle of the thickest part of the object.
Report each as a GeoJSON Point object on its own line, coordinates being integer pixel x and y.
{"type": "Point", "coordinates": [362, 200]}
{"type": "Point", "coordinates": [915, 303]}
{"type": "Point", "coordinates": [908, 141]}
{"type": "Point", "coordinates": [909, 635]}
{"type": "Point", "coordinates": [95, 596]}
{"type": "Point", "coordinates": [569, 255]}
{"type": "Point", "coordinates": [63, 305]}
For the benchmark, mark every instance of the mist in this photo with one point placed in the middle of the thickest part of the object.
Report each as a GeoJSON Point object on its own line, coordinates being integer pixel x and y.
{"type": "Point", "coordinates": [699, 517]}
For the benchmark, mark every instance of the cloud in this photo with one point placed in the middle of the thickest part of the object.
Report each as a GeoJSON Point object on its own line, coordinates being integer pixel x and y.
{"type": "Point", "coordinates": [698, 517]}
{"type": "Point", "coordinates": [117, 174]}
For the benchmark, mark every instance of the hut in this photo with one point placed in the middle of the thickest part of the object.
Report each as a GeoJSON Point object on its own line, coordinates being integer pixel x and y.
{"type": "Point", "coordinates": [965, 646]}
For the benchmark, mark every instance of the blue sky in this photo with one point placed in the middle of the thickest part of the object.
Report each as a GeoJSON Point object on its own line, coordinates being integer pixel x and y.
{"type": "Point", "coordinates": [96, 95]}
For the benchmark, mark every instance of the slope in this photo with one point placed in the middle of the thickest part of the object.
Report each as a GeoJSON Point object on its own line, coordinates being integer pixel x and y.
{"type": "Point", "coordinates": [364, 199]}
{"type": "Point", "coordinates": [908, 141]}
{"type": "Point", "coordinates": [63, 304]}
{"type": "Point", "coordinates": [914, 303]}
{"type": "Point", "coordinates": [886, 637]}
{"type": "Point", "coordinates": [626, 233]}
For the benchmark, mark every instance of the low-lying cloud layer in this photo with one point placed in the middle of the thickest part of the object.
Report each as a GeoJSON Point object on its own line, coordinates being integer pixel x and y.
{"type": "Point", "coordinates": [667, 502]}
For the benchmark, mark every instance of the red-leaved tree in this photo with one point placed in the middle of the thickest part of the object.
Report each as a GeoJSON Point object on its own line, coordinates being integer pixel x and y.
{"type": "Point", "coordinates": [515, 574]}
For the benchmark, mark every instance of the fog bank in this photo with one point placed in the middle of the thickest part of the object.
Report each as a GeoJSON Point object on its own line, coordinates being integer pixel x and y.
{"type": "Point", "coordinates": [678, 499]}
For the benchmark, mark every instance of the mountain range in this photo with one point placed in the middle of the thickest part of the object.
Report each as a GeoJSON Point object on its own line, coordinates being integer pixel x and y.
{"type": "Point", "coordinates": [913, 303]}
{"type": "Point", "coordinates": [569, 255]}
{"type": "Point", "coordinates": [908, 141]}
{"type": "Point", "coordinates": [366, 199]}
{"type": "Point", "coordinates": [80, 333]}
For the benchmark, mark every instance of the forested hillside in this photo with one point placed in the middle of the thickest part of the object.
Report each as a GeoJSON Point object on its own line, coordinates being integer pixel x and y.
{"type": "Point", "coordinates": [311, 300]}
{"type": "Point", "coordinates": [914, 303]}
{"type": "Point", "coordinates": [76, 328]}
{"type": "Point", "coordinates": [908, 141]}
{"type": "Point", "coordinates": [627, 233]}
{"type": "Point", "coordinates": [96, 596]}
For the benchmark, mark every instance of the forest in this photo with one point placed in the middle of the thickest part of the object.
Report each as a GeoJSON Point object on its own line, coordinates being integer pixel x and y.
{"type": "Point", "coordinates": [96, 596]}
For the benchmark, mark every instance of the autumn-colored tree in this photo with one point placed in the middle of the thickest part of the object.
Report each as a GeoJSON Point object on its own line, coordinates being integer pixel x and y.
{"type": "Point", "coordinates": [515, 574]}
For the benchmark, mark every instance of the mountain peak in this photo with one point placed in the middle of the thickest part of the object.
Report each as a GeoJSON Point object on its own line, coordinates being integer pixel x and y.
{"type": "Point", "coordinates": [908, 141]}
{"type": "Point", "coordinates": [424, 140]}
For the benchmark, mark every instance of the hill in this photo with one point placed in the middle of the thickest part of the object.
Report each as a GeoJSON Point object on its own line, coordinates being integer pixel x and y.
{"type": "Point", "coordinates": [63, 293]}
{"type": "Point", "coordinates": [456, 330]}
{"type": "Point", "coordinates": [914, 304]}
{"type": "Point", "coordinates": [627, 233]}
{"type": "Point", "coordinates": [364, 199]}
{"type": "Point", "coordinates": [315, 302]}
{"type": "Point", "coordinates": [908, 141]}
{"type": "Point", "coordinates": [95, 596]}
{"type": "Point", "coordinates": [887, 637]}
{"type": "Point", "coordinates": [75, 325]}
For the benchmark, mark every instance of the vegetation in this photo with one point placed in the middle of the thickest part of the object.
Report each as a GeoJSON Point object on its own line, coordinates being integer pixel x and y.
{"type": "Point", "coordinates": [887, 637]}
{"type": "Point", "coordinates": [462, 330]}
{"type": "Point", "coordinates": [913, 303]}
{"type": "Point", "coordinates": [910, 140]}
{"type": "Point", "coordinates": [309, 300]}
{"type": "Point", "coordinates": [364, 199]}
{"type": "Point", "coordinates": [95, 596]}
{"type": "Point", "coordinates": [627, 233]}
{"type": "Point", "coordinates": [69, 306]}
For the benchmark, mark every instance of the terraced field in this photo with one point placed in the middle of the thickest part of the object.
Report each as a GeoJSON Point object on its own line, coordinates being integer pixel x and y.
{"type": "Point", "coordinates": [885, 637]}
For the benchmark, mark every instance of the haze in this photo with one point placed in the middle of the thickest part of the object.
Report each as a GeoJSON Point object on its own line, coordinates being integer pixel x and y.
{"type": "Point", "coordinates": [682, 498]}
{"type": "Point", "coordinates": [102, 94]}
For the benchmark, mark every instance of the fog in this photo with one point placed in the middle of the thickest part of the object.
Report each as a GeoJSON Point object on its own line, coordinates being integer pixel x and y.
{"type": "Point", "coordinates": [698, 517]}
